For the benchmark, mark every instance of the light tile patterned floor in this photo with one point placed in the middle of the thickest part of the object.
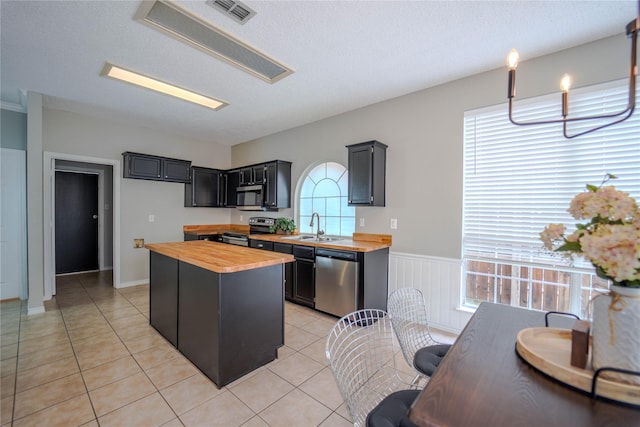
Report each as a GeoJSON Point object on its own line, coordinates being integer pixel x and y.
{"type": "Point", "coordinates": [93, 360]}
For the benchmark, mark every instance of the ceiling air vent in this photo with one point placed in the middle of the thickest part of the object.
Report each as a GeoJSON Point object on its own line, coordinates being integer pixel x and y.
{"type": "Point", "coordinates": [171, 19]}
{"type": "Point", "coordinates": [235, 9]}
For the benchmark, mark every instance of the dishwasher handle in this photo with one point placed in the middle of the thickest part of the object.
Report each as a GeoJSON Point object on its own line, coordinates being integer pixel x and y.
{"type": "Point", "coordinates": [341, 255]}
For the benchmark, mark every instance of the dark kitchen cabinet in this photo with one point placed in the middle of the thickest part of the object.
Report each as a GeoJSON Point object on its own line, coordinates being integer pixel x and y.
{"type": "Point", "coordinates": [155, 168]}
{"type": "Point", "coordinates": [231, 182]}
{"type": "Point", "coordinates": [261, 244]}
{"type": "Point", "coordinates": [163, 310]}
{"type": "Point", "coordinates": [230, 324]}
{"type": "Point", "coordinates": [367, 171]}
{"type": "Point", "coordinates": [206, 188]}
{"type": "Point", "coordinates": [304, 273]}
{"type": "Point", "coordinates": [288, 268]}
{"type": "Point", "coordinates": [252, 175]}
{"type": "Point", "coordinates": [277, 192]}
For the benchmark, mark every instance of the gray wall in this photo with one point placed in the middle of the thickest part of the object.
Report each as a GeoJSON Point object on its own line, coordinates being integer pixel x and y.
{"type": "Point", "coordinates": [424, 133]}
{"type": "Point", "coordinates": [70, 133]}
{"type": "Point", "coordinates": [13, 130]}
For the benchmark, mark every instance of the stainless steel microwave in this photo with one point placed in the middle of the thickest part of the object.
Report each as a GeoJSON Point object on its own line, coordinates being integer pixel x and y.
{"type": "Point", "coordinates": [250, 198]}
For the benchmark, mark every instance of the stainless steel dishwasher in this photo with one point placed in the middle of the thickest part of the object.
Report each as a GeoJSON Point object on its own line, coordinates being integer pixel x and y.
{"type": "Point", "coordinates": [336, 281]}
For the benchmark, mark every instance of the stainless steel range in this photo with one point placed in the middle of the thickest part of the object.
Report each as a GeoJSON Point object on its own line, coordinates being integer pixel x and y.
{"type": "Point", "coordinates": [238, 239]}
{"type": "Point", "coordinates": [260, 225]}
{"type": "Point", "coordinates": [257, 225]}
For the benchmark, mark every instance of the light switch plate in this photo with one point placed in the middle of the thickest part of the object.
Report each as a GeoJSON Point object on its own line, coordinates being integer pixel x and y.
{"type": "Point", "coordinates": [394, 223]}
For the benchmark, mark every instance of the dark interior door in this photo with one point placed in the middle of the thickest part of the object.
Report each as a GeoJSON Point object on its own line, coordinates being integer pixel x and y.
{"type": "Point", "coordinates": [76, 222]}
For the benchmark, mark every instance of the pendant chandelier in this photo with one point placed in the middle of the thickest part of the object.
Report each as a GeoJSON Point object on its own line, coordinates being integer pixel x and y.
{"type": "Point", "coordinates": [512, 63]}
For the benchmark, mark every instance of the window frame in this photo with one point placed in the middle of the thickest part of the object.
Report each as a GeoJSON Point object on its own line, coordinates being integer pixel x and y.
{"type": "Point", "coordinates": [568, 166]}
{"type": "Point", "coordinates": [328, 222]}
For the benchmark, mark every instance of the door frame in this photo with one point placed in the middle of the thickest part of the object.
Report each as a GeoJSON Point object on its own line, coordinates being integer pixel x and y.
{"type": "Point", "coordinates": [101, 201]}
{"type": "Point", "coordinates": [49, 188]}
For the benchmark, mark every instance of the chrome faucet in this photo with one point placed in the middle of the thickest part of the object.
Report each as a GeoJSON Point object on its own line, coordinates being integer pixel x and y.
{"type": "Point", "coordinates": [318, 231]}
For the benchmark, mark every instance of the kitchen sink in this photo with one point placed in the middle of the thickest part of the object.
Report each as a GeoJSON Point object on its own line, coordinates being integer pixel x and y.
{"type": "Point", "coordinates": [306, 238]}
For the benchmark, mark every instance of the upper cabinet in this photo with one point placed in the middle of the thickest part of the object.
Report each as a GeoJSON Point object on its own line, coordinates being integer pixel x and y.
{"type": "Point", "coordinates": [367, 170]}
{"type": "Point", "coordinates": [214, 188]}
{"type": "Point", "coordinates": [231, 182]}
{"type": "Point", "coordinates": [253, 175]}
{"type": "Point", "coordinates": [155, 168]}
{"type": "Point", "coordinates": [277, 186]}
{"type": "Point", "coordinates": [206, 190]}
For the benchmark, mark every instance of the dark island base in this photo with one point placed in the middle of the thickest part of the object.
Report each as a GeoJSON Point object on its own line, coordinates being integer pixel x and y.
{"type": "Point", "coordinates": [228, 324]}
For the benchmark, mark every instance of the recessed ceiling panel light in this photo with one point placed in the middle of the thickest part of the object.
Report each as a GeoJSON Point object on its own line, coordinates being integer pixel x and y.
{"type": "Point", "coordinates": [119, 73]}
{"type": "Point", "coordinates": [179, 23]}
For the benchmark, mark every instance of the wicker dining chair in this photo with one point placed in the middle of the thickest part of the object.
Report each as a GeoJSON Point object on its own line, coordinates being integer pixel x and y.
{"type": "Point", "coordinates": [408, 313]}
{"type": "Point", "coordinates": [360, 349]}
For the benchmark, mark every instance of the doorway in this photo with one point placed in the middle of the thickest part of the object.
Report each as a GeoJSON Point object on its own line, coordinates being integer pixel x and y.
{"type": "Point", "coordinates": [108, 171]}
{"type": "Point", "coordinates": [76, 213]}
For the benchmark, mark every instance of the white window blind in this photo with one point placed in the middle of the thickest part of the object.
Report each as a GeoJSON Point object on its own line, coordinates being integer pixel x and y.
{"type": "Point", "coordinates": [518, 179]}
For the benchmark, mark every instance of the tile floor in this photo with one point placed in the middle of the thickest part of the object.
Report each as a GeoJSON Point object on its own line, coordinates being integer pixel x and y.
{"type": "Point", "coordinates": [93, 360]}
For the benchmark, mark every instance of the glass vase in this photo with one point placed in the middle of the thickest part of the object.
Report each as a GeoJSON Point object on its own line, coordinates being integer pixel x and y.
{"type": "Point", "coordinates": [616, 333]}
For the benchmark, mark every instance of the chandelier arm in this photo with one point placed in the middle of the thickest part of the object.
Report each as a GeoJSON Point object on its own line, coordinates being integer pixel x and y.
{"type": "Point", "coordinates": [628, 111]}
{"type": "Point", "coordinates": [566, 135]}
{"type": "Point", "coordinates": [632, 31]}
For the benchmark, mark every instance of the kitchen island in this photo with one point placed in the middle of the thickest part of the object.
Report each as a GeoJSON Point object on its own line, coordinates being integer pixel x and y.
{"type": "Point", "coordinates": [222, 306]}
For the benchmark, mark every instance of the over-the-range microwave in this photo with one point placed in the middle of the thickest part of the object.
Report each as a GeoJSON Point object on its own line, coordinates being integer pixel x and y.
{"type": "Point", "coordinates": [250, 198]}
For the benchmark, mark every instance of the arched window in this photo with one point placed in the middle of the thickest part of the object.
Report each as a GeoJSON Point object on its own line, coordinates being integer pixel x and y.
{"type": "Point", "coordinates": [324, 190]}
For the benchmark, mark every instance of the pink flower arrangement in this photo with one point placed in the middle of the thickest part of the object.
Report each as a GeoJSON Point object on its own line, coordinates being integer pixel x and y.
{"type": "Point", "coordinates": [611, 238]}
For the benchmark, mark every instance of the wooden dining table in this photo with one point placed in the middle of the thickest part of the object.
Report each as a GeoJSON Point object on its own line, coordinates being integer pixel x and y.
{"type": "Point", "coordinates": [483, 382]}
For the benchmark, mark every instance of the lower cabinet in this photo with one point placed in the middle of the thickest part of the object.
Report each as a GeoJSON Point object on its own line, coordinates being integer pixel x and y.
{"type": "Point", "coordinates": [163, 310]}
{"type": "Point", "coordinates": [226, 324]}
{"type": "Point", "coordinates": [288, 269]}
{"type": "Point", "coordinates": [304, 275]}
{"type": "Point", "coordinates": [300, 276]}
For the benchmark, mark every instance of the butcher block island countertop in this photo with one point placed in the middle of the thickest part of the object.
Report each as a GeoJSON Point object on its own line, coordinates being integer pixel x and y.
{"type": "Point", "coordinates": [219, 257]}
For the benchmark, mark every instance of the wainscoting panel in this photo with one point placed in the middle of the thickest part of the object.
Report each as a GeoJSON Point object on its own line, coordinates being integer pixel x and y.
{"type": "Point", "coordinates": [439, 281]}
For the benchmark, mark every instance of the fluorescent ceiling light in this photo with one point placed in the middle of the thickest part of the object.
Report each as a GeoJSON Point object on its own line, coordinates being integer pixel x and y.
{"type": "Point", "coordinates": [138, 79]}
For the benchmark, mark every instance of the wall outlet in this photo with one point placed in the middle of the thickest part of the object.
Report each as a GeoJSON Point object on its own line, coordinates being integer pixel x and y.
{"type": "Point", "coordinates": [152, 218]}
{"type": "Point", "coordinates": [138, 243]}
{"type": "Point", "coordinates": [241, 218]}
{"type": "Point", "coordinates": [361, 222]}
{"type": "Point", "coordinates": [394, 223]}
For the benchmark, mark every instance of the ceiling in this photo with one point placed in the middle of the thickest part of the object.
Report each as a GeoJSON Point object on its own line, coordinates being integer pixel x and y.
{"type": "Point", "coordinates": [346, 55]}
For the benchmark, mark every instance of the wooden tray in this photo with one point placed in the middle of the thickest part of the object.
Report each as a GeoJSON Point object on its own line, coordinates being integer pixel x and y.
{"type": "Point", "coordinates": [549, 350]}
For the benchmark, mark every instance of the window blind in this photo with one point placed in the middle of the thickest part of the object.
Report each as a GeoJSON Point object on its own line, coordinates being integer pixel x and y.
{"type": "Point", "coordinates": [518, 179]}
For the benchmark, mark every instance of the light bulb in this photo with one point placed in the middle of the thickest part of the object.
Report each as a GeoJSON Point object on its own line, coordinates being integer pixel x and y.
{"type": "Point", "coordinates": [512, 59]}
{"type": "Point", "coordinates": [565, 83]}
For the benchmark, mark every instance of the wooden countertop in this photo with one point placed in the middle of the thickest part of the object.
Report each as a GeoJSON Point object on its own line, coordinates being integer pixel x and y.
{"type": "Point", "coordinates": [219, 257]}
{"type": "Point", "coordinates": [200, 230]}
{"type": "Point", "coordinates": [360, 242]}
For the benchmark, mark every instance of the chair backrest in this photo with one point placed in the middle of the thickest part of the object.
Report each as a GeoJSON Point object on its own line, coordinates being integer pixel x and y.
{"type": "Point", "coordinates": [360, 351]}
{"type": "Point", "coordinates": [408, 313]}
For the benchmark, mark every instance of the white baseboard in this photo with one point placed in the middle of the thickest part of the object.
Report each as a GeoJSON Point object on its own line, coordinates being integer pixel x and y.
{"type": "Point", "coordinates": [132, 283]}
{"type": "Point", "coordinates": [35, 310]}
